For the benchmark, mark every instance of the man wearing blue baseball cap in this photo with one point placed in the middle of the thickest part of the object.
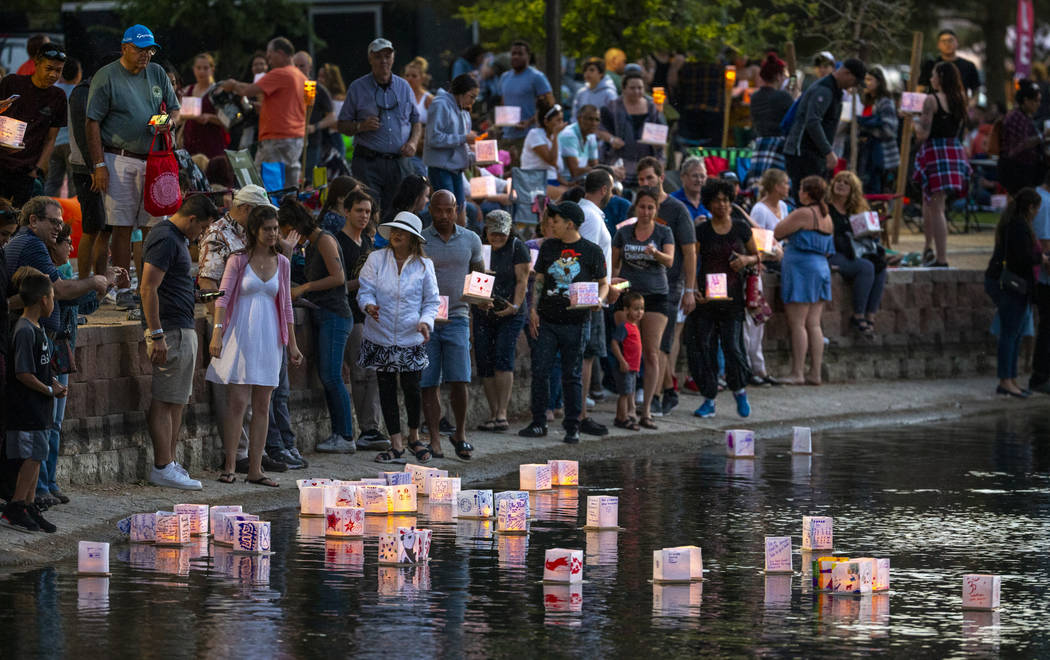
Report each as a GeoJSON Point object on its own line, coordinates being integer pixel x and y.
{"type": "Point", "coordinates": [124, 96]}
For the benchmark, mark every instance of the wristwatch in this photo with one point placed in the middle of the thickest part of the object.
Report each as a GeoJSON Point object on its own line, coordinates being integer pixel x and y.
{"type": "Point", "coordinates": [100, 165]}
{"type": "Point", "coordinates": [51, 391]}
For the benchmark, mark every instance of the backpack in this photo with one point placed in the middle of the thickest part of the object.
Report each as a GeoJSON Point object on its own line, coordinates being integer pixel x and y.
{"type": "Point", "coordinates": [789, 117]}
{"type": "Point", "coordinates": [993, 144]}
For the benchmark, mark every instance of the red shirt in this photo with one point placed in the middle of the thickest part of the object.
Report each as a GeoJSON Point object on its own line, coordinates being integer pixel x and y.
{"type": "Point", "coordinates": [630, 345]}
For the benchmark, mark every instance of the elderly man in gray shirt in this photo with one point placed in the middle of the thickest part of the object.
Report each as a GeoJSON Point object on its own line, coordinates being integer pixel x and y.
{"type": "Point", "coordinates": [380, 113]}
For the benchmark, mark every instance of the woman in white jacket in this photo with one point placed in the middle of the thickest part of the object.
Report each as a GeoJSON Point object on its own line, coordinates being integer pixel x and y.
{"type": "Point", "coordinates": [399, 295]}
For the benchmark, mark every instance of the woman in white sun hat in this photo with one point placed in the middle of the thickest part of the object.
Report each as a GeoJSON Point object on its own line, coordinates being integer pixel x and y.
{"type": "Point", "coordinates": [399, 296]}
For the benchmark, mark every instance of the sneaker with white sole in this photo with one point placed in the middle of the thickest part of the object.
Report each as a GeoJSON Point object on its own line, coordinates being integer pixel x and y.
{"type": "Point", "coordinates": [171, 477]}
{"type": "Point", "coordinates": [335, 444]}
{"type": "Point", "coordinates": [590, 402]}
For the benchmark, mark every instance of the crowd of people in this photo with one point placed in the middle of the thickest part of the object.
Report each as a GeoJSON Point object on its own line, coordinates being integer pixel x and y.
{"type": "Point", "coordinates": [623, 270]}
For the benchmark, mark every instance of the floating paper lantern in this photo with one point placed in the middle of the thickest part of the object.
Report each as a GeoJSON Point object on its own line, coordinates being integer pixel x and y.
{"type": "Point", "coordinates": [92, 558]}
{"type": "Point", "coordinates": [407, 546]}
{"type": "Point", "coordinates": [402, 499]}
{"type": "Point", "coordinates": [522, 495]}
{"type": "Point", "coordinates": [344, 494]}
{"type": "Point", "coordinates": [311, 500]}
{"type": "Point", "coordinates": [199, 517]}
{"type": "Point", "coordinates": [802, 440]}
{"type": "Point", "coordinates": [778, 554]}
{"type": "Point", "coordinates": [512, 517]}
{"type": "Point", "coordinates": [443, 490]}
{"type": "Point", "coordinates": [223, 534]}
{"type": "Point", "coordinates": [817, 532]}
{"type": "Point", "coordinates": [682, 564]}
{"type": "Point", "coordinates": [512, 549]}
{"type": "Point", "coordinates": [563, 598]}
{"type": "Point", "coordinates": [740, 443]}
{"type": "Point", "coordinates": [344, 521]}
{"type": "Point", "coordinates": [396, 478]}
{"type": "Point", "coordinates": [882, 575]}
{"type": "Point", "coordinates": [143, 528]}
{"type": "Point", "coordinates": [602, 512]}
{"type": "Point", "coordinates": [981, 592]}
{"type": "Point", "coordinates": [344, 554]}
{"type": "Point", "coordinates": [428, 480]}
{"type": "Point", "coordinates": [823, 568]}
{"type": "Point", "coordinates": [602, 548]}
{"type": "Point", "coordinates": [377, 499]}
{"type": "Point", "coordinates": [92, 593]}
{"type": "Point", "coordinates": [564, 473]}
{"type": "Point", "coordinates": [216, 511]}
{"type": "Point", "coordinates": [303, 483]}
{"type": "Point", "coordinates": [677, 599]}
{"type": "Point", "coordinates": [251, 536]}
{"type": "Point", "coordinates": [172, 528]}
{"type": "Point", "coordinates": [474, 504]}
{"type": "Point", "coordinates": [563, 565]}
{"type": "Point", "coordinates": [534, 476]}
{"type": "Point", "coordinates": [855, 576]}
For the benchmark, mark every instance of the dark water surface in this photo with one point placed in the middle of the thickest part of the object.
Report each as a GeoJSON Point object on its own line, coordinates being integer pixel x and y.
{"type": "Point", "coordinates": [940, 501]}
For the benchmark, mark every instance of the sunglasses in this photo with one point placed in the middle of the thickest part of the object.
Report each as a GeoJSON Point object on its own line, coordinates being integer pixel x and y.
{"type": "Point", "coordinates": [52, 53]}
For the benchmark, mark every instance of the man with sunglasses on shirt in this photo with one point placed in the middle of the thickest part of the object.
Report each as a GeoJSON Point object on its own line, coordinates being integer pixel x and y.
{"type": "Point", "coordinates": [380, 112]}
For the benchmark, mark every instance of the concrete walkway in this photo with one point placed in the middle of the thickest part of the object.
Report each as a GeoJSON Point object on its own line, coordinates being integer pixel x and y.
{"type": "Point", "coordinates": [93, 512]}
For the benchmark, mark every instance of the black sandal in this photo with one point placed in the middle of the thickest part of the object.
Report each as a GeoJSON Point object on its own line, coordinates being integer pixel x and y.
{"type": "Point", "coordinates": [489, 426]}
{"type": "Point", "coordinates": [463, 449]}
{"type": "Point", "coordinates": [863, 326]}
{"type": "Point", "coordinates": [391, 456]}
{"type": "Point", "coordinates": [263, 481]}
{"type": "Point", "coordinates": [626, 424]}
{"type": "Point", "coordinates": [501, 424]}
{"type": "Point", "coordinates": [227, 478]}
{"type": "Point", "coordinates": [435, 454]}
{"type": "Point", "coordinates": [647, 423]}
{"type": "Point", "coordinates": [420, 451]}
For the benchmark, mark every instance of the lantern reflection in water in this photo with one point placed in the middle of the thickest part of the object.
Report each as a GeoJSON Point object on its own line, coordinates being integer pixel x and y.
{"type": "Point", "coordinates": [344, 554]}
{"type": "Point", "coordinates": [93, 594]}
{"type": "Point", "coordinates": [681, 600]}
{"type": "Point", "coordinates": [512, 549]}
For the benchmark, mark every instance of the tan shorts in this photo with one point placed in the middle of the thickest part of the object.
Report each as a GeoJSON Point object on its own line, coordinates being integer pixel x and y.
{"type": "Point", "coordinates": [173, 381]}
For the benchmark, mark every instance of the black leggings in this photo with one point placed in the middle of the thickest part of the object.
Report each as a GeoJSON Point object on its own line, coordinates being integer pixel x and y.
{"type": "Point", "coordinates": [388, 399]}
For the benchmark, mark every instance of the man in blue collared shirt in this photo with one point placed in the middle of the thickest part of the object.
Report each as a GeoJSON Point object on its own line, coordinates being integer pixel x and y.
{"type": "Point", "coordinates": [380, 113]}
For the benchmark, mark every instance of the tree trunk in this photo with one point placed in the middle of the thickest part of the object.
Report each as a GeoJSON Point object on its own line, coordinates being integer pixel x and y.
{"type": "Point", "coordinates": [995, 24]}
{"type": "Point", "coordinates": [552, 66]}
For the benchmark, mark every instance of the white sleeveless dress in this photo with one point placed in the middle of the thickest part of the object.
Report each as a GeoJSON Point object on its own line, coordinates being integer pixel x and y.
{"type": "Point", "coordinates": [251, 347]}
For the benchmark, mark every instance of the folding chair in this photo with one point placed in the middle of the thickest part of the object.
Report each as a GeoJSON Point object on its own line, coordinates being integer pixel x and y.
{"type": "Point", "coordinates": [244, 170]}
{"type": "Point", "coordinates": [530, 190]}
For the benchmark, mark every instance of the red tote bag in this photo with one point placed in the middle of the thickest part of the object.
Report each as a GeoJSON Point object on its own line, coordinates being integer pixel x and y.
{"type": "Point", "coordinates": [161, 195]}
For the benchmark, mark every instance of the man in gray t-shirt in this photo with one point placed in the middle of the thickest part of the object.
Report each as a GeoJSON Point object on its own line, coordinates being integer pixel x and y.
{"type": "Point", "coordinates": [456, 252]}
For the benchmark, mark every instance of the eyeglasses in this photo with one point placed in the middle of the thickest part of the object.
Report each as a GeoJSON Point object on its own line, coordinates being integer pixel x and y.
{"type": "Point", "coordinates": [55, 221]}
{"type": "Point", "coordinates": [151, 50]}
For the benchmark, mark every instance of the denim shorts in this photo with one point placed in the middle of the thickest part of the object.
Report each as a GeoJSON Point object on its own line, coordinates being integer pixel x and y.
{"type": "Point", "coordinates": [27, 445]}
{"type": "Point", "coordinates": [449, 353]}
{"type": "Point", "coordinates": [625, 381]}
{"type": "Point", "coordinates": [496, 342]}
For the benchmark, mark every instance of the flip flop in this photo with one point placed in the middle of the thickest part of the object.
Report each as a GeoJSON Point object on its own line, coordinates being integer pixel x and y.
{"type": "Point", "coordinates": [263, 481]}
{"type": "Point", "coordinates": [227, 478]}
{"type": "Point", "coordinates": [463, 449]}
{"type": "Point", "coordinates": [391, 456]}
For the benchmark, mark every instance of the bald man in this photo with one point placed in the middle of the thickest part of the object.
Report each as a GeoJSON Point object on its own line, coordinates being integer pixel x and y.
{"type": "Point", "coordinates": [322, 117]}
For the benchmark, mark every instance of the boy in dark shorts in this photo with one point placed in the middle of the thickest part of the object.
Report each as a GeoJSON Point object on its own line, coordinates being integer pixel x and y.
{"type": "Point", "coordinates": [626, 347]}
{"type": "Point", "coordinates": [31, 397]}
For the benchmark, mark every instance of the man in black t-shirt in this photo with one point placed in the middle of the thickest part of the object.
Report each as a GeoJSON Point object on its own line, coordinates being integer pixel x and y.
{"type": "Point", "coordinates": [947, 44]}
{"type": "Point", "coordinates": [565, 258]}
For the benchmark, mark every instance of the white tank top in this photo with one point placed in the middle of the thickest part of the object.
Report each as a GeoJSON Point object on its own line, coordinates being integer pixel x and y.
{"type": "Point", "coordinates": [421, 107]}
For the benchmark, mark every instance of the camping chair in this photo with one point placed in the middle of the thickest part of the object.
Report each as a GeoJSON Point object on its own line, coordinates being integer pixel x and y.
{"type": "Point", "coordinates": [244, 170]}
{"type": "Point", "coordinates": [530, 191]}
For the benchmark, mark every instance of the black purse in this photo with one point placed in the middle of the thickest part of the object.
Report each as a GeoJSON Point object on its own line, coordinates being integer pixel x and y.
{"type": "Point", "coordinates": [1008, 281]}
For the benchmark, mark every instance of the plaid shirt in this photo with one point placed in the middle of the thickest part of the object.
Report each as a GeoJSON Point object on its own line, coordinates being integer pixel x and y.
{"type": "Point", "coordinates": [941, 166]}
{"type": "Point", "coordinates": [223, 238]}
{"type": "Point", "coordinates": [766, 153]}
{"type": "Point", "coordinates": [1017, 128]}
{"type": "Point", "coordinates": [701, 86]}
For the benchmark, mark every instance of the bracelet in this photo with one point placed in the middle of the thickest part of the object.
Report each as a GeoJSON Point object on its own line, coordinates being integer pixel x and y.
{"type": "Point", "coordinates": [218, 326]}
{"type": "Point", "coordinates": [50, 391]}
{"type": "Point", "coordinates": [100, 165]}
{"type": "Point", "coordinates": [690, 290]}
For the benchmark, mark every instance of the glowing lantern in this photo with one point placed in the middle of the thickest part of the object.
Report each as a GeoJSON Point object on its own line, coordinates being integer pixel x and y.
{"type": "Point", "coordinates": [428, 481]}
{"type": "Point", "coordinates": [817, 532]}
{"type": "Point", "coordinates": [740, 443]}
{"type": "Point", "coordinates": [216, 511]}
{"type": "Point", "coordinates": [377, 499]}
{"type": "Point", "coordinates": [514, 495]}
{"type": "Point", "coordinates": [730, 75]}
{"type": "Point", "coordinates": [823, 572]}
{"type": "Point", "coordinates": [443, 489]}
{"type": "Point", "coordinates": [311, 501]}
{"type": "Point", "coordinates": [344, 521]}
{"type": "Point", "coordinates": [563, 565]}
{"type": "Point", "coordinates": [199, 518]}
{"type": "Point", "coordinates": [534, 476]}
{"type": "Point", "coordinates": [477, 287]}
{"type": "Point", "coordinates": [143, 528]}
{"type": "Point", "coordinates": [251, 536]}
{"type": "Point", "coordinates": [512, 516]}
{"type": "Point", "coordinates": [778, 554]}
{"type": "Point", "coordinates": [344, 494]}
{"type": "Point", "coordinates": [401, 499]}
{"type": "Point", "coordinates": [682, 564]}
{"type": "Point", "coordinates": [981, 592]}
{"type": "Point", "coordinates": [564, 473]}
{"type": "Point", "coordinates": [854, 576]}
{"type": "Point", "coordinates": [408, 546]}
{"type": "Point", "coordinates": [882, 575]}
{"type": "Point", "coordinates": [172, 528]}
{"type": "Point", "coordinates": [802, 440]}
{"type": "Point", "coordinates": [396, 478]}
{"type": "Point", "coordinates": [474, 504]}
{"type": "Point", "coordinates": [602, 512]}
{"type": "Point", "coordinates": [302, 483]}
{"type": "Point", "coordinates": [92, 558]}
{"type": "Point", "coordinates": [12, 132]}
{"type": "Point", "coordinates": [223, 534]}
{"type": "Point", "coordinates": [309, 92]}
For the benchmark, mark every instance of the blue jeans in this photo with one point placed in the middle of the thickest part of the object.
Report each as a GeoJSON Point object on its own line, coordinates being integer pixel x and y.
{"type": "Point", "coordinates": [496, 341]}
{"type": "Point", "coordinates": [1012, 308]}
{"type": "Point", "coordinates": [568, 339]}
{"type": "Point", "coordinates": [45, 483]}
{"type": "Point", "coordinates": [449, 180]}
{"type": "Point", "coordinates": [332, 332]}
{"type": "Point", "coordinates": [867, 284]}
{"type": "Point", "coordinates": [279, 434]}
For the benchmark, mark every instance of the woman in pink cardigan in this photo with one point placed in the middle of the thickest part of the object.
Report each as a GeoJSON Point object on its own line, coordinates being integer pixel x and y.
{"type": "Point", "coordinates": [253, 321]}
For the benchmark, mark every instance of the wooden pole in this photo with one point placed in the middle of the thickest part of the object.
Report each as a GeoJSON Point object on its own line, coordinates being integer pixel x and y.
{"type": "Point", "coordinates": [728, 83]}
{"type": "Point", "coordinates": [906, 131]}
{"type": "Point", "coordinates": [552, 24]}
{"type": "Point", "coordinates": [792, 66]}
{"type": "Point", "coordinates": [306, 141]}
{"type": "Point", "coordinates": [854, 137]}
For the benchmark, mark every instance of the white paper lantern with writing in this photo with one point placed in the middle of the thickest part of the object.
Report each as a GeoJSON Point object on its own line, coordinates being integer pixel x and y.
{"type": "Point", "coordinates": [981, 592]}
{"type": "Point", "coordinates": [402, 499]}
{"type": "Point", "coordinates": [474, 504]}
{"type": "Point", "coordinates": [802, 440]}
{"type": "Point", "coordinates": [396, 478]}
{"type": "Point", "coordinates": [223, 534]}
{"type": "Point", "coordinates": [855, 576]}
{"type": "Point", "coordinates": [563, 565]}
{"type": "Point", "coordinates": [512, 517]}
{"type": "Point", "coordinates": [443, 490]}
{"type": "Point", "coordinates": [817, 532]}
{"type": "Point", "coordinates": [377, 499]}
{"type": "Point", "coordinates": [143, 527]}
{"type": "Point", "coordinates": [302, 483]}
{"type": "Point", "coordinates": [534, 476]}
{"type": "Point", "coordinates": [406, 546]}
{"type": "Point", "coordinates": [603, 512]}
{"type": "Point", "coordinates": [199, 517]}
{"type": "Point", "coordinates": [12, 132]}
{"type": "Point", "coordinates": [92, 558]}
{"type": "Point", "coordinates": [563, 598]}
{"type": "Point", "coordinates": [522, 495]}
{"type": "Point", "coordinates": [311, 501]}
{"type": "Point", "coordinates": [343, 494]}
{"type": "Point", "coordinates": [428, 480]}
{"type": "Point", "coordinates": [216, 511]}
{"type": "Point", "coordinates": [564, 473]}
{"type": "Point", "coordinates": [251, 536]}
{"type": "Point", "coordinates": [682, 564]}
{"type": "Point", "coordinates": [344, 521]}
{"type": "Point", "coordinates": [172, 528]}
{"type": "Point", "coordinates": [584, 295]}
{"type": "Point", "coordinates": [882, 574]}
{"type": "Point", "coordinates": [740, 443]}
{"type": "Point", "coordinates": [778, 554]}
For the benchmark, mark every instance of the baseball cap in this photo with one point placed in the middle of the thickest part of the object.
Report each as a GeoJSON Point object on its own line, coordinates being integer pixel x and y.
{"type": "Point", "coordinates": [140, 37]}
{"type": "Point", "coordinates": [571, 211]}
{"type": "Point", "coordinates": [856, 67]}
{"type": "Point", "coordinates": [252, 194]}
{"type": "Point", "coordinates": [824, 55]}
{"type": "Point", "coordinates": [380, 44]}
{"type": "Point", "coordinates": [498, 221]}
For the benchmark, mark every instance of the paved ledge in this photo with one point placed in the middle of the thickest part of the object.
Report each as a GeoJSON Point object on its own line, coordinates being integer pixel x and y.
{"type": "Point", "coordinates": [94, 510]}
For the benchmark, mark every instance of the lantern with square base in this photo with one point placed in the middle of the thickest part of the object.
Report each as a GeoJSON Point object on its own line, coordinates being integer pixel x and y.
{"type": "Point", "coordinates": [817, 532]}
{"type": "Point", "coordinates": [512, 517]}
{"type": "Point", "coordinates": [251, 536]}
{"type": "Point", "coordinates": [396, 478]}
{"type": "Point", "coordinates": [823, 571]}
{"type": "Point", "coordinates": [344, 521]}
{"type": "Point", "coordinates": [377, 499]}
{"type": "Point", "coordinates": [443, 490]}
{"type": "Point", "coordinates": [428, 481]}
{"type": "Point", "coordinates": [143, 528]}
{"type": "Point", "coordinates": [534, 476]}
{"type": "Point", "coordinates": [216, 511]}
{"type": "Point", "coordinates": [199, 517]}
{"type": "Point", "coordinates": [882, 574]}
{"type": "Point", "coordinates": [93, 558]}
{"type": "Point", "coordinates": [407, 546]}
{"type": "Point", "coordinates": [474, 504]}
{"type": "Point", "coordinates": [855, 576]}
{"type": "Point", "coordinates": [302, 483]}
{"type": "Point", "coordinates": [522, 495]}
{"type": "Point", "coordinates": [981, 592]}
{"type": "Point", "coordinates": [740, 443]}
{"type": "Point", "coordinates": [603, 512]}
{"type": "Point", "coordinates": [172, 528]}
{"type": "Point", "coordinates": [682, 564]}
{"type": "Point", "coordinates": [584, 295]}
{"type": "Point", "coordinates": [223, 534]}
{"type": "Point", "coordinates": [344, 494]}
{"type": "Point", "coordinates": [801, 440]}
{"type": "Point", "coordinates": [311, 501]}
{"type": "Point", "coordinates": [563, 565]}
{"type": "Point", "coordinates": [778, 554]}
{"type": "Point", "coordinates": [477, 288]}
{"type": "Point", "coordinates": [564, 473]}
{"type": "Point", "coordinates": [402, 498]}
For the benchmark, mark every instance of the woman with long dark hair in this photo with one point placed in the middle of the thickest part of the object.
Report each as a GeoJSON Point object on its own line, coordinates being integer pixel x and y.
{"type": "Point", "coordinates": [624, 119]}
{"type": "Point", "coordinates": [1021, 160]}
{"type": "Point", "coordinates": [941, 165]}
{"type": "Point", "coordinates": [253, 322]}
{"type": "Point", "coordinates": [769, 104]}
{"type": "Point", "coordinates": [412, 196]}
{"type": "Point", "coordinates": [1010, 282]}
{"type": "Point", "coordinates": [879, 154]}
{"type": "Point", "coordinates": [333, 214]}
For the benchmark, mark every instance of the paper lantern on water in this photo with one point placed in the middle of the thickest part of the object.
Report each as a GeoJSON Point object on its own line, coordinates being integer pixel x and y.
{"type": "Point", "coordinates": [172, 528]}
{"type": "Point", "coordinates": [564, 473]}
{"type": "Point", "coordinates": [882, 575]}
{"type": "Point", "coordinates": [853, 577]}
{"type": "Point", "coordinates": [428, 481]}
{"type": "Point", "coordinates": [682, 564]}
{"type": "Point", "coordinates": [602, 548]}
{"type": "Point", "coordinates": [143, 528]}
{"type": "Point", "coordinates": [823, 568]}
{"type": "Point", "coordinates": [216, 511]}
{"type": "Point", "coordinates": [344, 494]}
{"type": "Point", "coordinates": [602, 512]}
{"type": "Point", "coordinates": [344, 554]}
{"type": "Point", "coordinates": [677, 599]}
{"type": "Point", "coordinates": [402, 499]}
{"type": "Point", "coordinates": [512, 517]}
{"type": "Point", "coordinates": [377, 499]}
{"type": "Point", "coordinates": [302, 483]}
{"type": "Point", "coordinates": [474, 504]}
{"type": "Point", "coordinates": [534, 476]}
{"type": "Point", "coordinates": [817, 532]}
{"type": "Point", "coordinates": [92, 558]}
{"type": "Point", "coordinates": [396, 478]}
{"type": "Point", "coordinates": [563, 565]}
{"type": "Point", "coordinates": [740, 443]}
{"type": "Point", "coordinates": [344, 521]}
{"type": "Point", "coordinates": [223, 534]}
{"type": "Point", "coordinates": [406, 546]}
{"type": "Point", "coordinates": [778, 554]}
{"type": "Point", "coordinates": [563, 598]}
{"type": "Point", "coordinates": [443, 490]}
{"type": "Point", "coordinates": [199, 517]}
{"type": "Point", "coordinates": [981, 592]}
{"type": "Point", "coordinates": [802, 440]}
{"type": "Point", "coordinates": [251, 536]}
{"type": "Point", "coordinates": [522, 495]}
{"type": "Point", "coordinates": [311, 501]}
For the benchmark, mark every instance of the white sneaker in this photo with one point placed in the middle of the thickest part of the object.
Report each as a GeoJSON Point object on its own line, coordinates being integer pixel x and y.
{"type": "Point", "coordinates": [181, 469]}
{"type": "Point", "coordinates": [336, 444]}
{"type": "Point", "coordinates": [171, 477]}
{"type": "Point", "coordinates": [111, 297]}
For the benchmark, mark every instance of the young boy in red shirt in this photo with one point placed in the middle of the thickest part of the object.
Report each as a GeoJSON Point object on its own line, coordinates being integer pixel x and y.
{"type": "Point", "coordinates": [627, 349]}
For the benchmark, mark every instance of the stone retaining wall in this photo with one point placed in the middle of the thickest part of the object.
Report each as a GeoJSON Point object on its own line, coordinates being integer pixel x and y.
{"type": "Point", "coordinates": [933, 324]}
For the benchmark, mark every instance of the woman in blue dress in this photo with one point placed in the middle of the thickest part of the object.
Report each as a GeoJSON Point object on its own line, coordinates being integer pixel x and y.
{"type": "Point", "coordinates": [805, 278]}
